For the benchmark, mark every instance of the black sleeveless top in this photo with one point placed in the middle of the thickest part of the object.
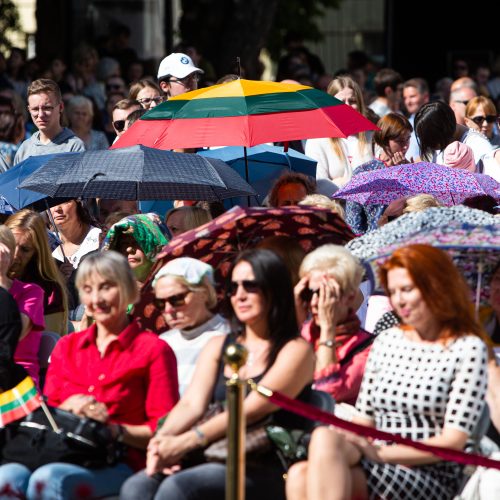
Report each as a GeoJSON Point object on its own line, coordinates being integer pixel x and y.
{"type": "Point", "coordinates": [282, 418]}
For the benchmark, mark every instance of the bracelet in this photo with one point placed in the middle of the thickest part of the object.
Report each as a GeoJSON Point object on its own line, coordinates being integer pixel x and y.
{"type": "Point", "coordinates": [328, 343]}
{"type": "Point", "coordinates": [202, 438]}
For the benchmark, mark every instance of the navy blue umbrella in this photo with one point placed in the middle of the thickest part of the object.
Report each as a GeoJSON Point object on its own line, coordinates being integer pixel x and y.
{"type": "Point", "coordinates": [21, 198]}
{"type": "Point", "coordinates": [137, 173]}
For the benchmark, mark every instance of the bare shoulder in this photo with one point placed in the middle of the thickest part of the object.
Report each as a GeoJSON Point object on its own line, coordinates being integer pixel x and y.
{"type": "Point", "coordinates": [298, 348]}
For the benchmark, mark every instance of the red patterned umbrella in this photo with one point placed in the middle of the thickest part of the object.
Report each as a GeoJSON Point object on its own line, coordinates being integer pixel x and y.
{"type": "Point", "coordinates": [220, 240]}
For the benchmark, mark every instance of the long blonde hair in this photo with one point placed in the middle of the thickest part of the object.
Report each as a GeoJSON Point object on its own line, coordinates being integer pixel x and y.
{"type": "Point", "coordinates": [335, 86]}
{"type": "Point", "coordinates": [33, 223]}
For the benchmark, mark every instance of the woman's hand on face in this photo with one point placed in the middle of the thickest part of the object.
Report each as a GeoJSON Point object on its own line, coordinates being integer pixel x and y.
{"type": "Point", "coordinates": [328, 303]}
{"type": "Point", "coordinates": [301, 307]}
{"type": "Point", "coordinates": [397, 158]}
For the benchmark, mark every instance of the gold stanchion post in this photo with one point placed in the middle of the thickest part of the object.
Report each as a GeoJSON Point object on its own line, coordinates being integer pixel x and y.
{"type": "Point", "coordinates": [235, 356]}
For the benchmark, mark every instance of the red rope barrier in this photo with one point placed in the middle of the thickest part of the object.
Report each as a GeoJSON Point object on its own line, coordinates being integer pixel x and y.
{"type": "Point", "coordinates": [314, 413]}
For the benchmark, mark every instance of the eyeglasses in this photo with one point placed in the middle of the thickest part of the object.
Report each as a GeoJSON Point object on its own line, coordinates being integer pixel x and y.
{"type": "Point", "coordinates": [463, 102]}
{"type": "Point", "coordinates": [478, 120]}
{"type": "Point", "coordinates": [250, 286]}
{"type": "Point", "coordinates": [148, 100]}
{"type": "Point", "coordinates": [119, 125]}
{"type": "Point", "coordinates": [47, 110]}
{"type": "Point", "coordinates": [193, 77]}
{"type": "Point", "coordinates": [177, 300]}
{"type": "Point", "coordinates": [307, 294]}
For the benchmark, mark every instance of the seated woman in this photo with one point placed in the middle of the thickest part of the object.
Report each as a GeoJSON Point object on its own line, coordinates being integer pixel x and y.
{"type": "Point", "coordinates": [33, 263]}
{"type": "Point", "coordinates": [29, 298]}
{"type": "Point", "coordinates": [139, 238]}
{"type": "Point", "coordinates": [185, 295]}
{"type": "Point", "coordinates": [329, 289]}
{"type": "Point", "coordinates": [261, 297]}
{"type": "Point", "coordinates": [425, 380]}
{"type": "Point", "coordinates": [112, 372]}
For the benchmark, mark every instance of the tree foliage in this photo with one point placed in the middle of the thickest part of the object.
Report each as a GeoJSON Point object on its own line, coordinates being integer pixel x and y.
{"type": "Point", "coordinates": [9, 23]}
{"type": "Point", "coordinates": [225, 29]}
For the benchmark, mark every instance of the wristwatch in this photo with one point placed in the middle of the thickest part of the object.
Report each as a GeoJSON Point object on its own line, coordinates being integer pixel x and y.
{"type": "Point", "coordinates": [328, 343]}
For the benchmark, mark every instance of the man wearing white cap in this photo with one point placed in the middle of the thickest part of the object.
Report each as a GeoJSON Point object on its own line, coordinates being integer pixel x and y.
{"type": "Point", "coordinates": [177, 74]}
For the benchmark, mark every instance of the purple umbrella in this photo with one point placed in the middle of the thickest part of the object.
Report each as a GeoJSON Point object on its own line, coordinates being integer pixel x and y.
{"type": "Point", "coordinates": [451, 186]}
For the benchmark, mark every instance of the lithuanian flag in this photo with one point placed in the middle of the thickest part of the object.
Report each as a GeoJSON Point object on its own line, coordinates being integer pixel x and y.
{"type": "Point", "coordinates": [18, 402]}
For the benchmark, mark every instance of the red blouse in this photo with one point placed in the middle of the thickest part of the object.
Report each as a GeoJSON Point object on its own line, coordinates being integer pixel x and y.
{"type": "Point", "coordinates": [136, 377]}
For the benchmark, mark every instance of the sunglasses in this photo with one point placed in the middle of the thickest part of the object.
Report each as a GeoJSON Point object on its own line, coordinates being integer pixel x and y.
{"type": "Point", "coordinates": [250, 286]}
{"type": "Point", "coordinates": [177, 300]}
{"type": "Point", "coordinates": [113, 86]}
{"type": "Point", "coordinates": [119, 125]}
{"type": "Point", "coordinates": [148, 100]}
{"type": "Point", "coordinates": [463, 102]}
{"type": "Point", "coordinates": [307, 294]}
{"type": "Point", "coordinates": [478, 120]}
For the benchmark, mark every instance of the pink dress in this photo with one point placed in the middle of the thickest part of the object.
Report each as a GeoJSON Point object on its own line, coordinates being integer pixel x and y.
{"type": "Point", "coordinates": [29, 299]}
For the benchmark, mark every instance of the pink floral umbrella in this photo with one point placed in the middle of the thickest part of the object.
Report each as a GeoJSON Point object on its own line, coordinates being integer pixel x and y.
{"type": "Point", "coordinates": [451, 186]}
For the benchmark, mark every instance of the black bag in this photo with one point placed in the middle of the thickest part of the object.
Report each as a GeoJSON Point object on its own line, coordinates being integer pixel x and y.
{"type": "Point", "coordinates": [81, 441]}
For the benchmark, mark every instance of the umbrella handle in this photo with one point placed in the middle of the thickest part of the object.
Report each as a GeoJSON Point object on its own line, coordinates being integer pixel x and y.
{"type": "Point", "coordinates": [480, 269]}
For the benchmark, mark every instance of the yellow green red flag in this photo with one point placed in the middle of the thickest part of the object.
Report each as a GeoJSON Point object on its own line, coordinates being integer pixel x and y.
{"type": "Point", "coordinates": [18, 402]}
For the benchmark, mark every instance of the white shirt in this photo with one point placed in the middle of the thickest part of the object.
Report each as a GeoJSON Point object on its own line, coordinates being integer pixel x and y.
{"type": "Point", "coordinates": [89, 244]}
{"type": "Point", "coordinates": [188, 344]}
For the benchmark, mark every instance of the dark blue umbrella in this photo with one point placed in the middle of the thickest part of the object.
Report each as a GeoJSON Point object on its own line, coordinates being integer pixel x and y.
{"type": "Point", "coordinates": [137, 173]}
{"type": "Point", "coordinates": [21, 198]}
{"type": "Point", "coordinates": [264, 163]}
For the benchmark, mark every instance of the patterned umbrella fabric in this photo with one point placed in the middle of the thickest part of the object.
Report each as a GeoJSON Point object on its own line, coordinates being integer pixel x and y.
{"type": "Point", "coordinates": [137, 173]}
{"type": "Point", "coordinates": [370, 244]}
{"type": "Point", "coordinates": [244, 113]}
{"type": "Point", "coordinates": [220, 240]}
{"type": "Point", "coordinates": [475, 249]}
{"type": "Point", "coordinates": [450, 186]}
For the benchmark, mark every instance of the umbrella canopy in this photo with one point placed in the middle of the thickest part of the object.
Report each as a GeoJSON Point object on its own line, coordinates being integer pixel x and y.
{"type": "Point", "coordinates": [221, 239]}
{"type": "Point", "coordinates": [451, 186]}
{"type": "Point", "coordinates": [371, 244]}
{"type": "Point", "coordinates": [12, 178]}
{"type": "Point", "coordinates": [137, 173]}
{"type": "Point", "coordinates": [475, 250]}
{"type": "Point", "coordinates": [265, 164]}
{"type": "Point", "coordinates": [244, 113]}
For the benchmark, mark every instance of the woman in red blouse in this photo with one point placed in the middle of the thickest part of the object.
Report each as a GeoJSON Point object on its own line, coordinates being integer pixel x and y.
{"type": "Point", "coordinates": [112, 372]}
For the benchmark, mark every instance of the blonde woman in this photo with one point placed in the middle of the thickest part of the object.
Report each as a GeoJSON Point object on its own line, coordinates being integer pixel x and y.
{"type": "Point", "coordinates": [33, 263]}
{"type": "Point", "coordinates": [337, 157]}
{"type": "Point", "coordinates": [481, 115]}
{"type": "Point", "coordinates": [147, 93]}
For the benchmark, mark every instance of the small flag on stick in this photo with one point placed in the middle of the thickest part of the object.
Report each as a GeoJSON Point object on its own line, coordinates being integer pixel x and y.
{"type": "Point", "coordinates": [18, 402]}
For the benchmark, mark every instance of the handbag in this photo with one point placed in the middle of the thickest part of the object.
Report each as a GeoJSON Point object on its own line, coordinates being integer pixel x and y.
{"type": "Point", "coordinates": [256, 440]}
{"type": "Point", "coordinates": [81, 441]}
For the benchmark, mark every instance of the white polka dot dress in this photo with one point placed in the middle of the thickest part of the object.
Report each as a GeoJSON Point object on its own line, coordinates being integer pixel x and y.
{"type": "Point", "coordinates": [414, 389]}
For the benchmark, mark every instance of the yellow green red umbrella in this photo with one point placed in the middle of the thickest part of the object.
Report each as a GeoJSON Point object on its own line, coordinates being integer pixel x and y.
{"type": "Point", "coordinates": [244, 113]}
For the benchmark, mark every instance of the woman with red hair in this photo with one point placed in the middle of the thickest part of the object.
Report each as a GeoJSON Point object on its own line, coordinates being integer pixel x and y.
{"type": "Point", "coordinates": [424, 380]}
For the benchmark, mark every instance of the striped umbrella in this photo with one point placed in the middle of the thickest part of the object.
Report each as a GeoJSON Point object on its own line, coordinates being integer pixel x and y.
{"type": "Point", "coordinates": [244, 113]}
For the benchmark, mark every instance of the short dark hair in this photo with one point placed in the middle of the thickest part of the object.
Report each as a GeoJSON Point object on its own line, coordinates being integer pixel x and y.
{"type": "Point", "coordinates": [418, 83]}
{"type": "Point", "coordinates": [44, 86]}
{"type": "Point", "coordinates": [435, 125]}
{"type": "Point", "coordinates": [291, 178]}
{"type": "Point", "coordinates": [386, 77]}
{"type": "Point", "coordinates": [274, 280]}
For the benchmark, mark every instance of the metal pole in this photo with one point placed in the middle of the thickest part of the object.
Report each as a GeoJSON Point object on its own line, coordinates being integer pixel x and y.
{"type": "Point", "coordinates": [235, 356]}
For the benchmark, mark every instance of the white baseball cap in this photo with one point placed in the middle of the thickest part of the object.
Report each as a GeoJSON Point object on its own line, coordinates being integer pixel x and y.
{"type": "Point", "coordinates": [177, 64]}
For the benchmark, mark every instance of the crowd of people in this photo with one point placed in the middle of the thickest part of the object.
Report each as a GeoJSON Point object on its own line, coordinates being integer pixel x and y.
{"type": "Point", "coordinates": [82, 268]}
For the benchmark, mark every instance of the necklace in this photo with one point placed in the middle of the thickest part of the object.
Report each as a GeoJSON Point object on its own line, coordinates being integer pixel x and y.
{"type": "Point", "coordinates": [255, 354]}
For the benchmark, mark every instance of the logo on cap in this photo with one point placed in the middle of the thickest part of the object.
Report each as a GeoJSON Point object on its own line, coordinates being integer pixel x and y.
{"type": "Point", "coordinates": [184, 60]}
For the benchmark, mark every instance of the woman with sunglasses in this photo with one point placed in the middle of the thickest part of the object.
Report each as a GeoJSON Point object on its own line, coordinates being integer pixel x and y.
{"type": "Point", "coordinates": [261, 297]}
{"type": "Point", "coordinates": [481, 115]}
{"type": "Point", "coordinates": [329, 290]}
{"type": "Point", "coordinates": [425, 380]}
{"type": "Point", "coordinates": [186, 297]}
